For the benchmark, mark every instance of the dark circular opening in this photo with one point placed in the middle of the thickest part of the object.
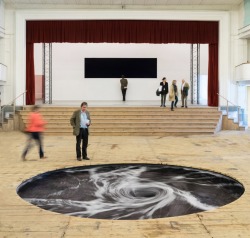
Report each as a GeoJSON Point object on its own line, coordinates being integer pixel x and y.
{"type": "Point", "coordinates": [147, 193]}
{"type": "Point", "coordinates": [130, 191]}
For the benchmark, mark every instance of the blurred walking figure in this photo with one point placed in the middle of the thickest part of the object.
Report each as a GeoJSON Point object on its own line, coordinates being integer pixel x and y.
{"type": "Point", "coordinates": [35, 128]}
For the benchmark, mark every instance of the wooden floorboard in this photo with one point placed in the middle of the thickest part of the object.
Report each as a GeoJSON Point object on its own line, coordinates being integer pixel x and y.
{"type": "Point", "coordinates": [227, 152]}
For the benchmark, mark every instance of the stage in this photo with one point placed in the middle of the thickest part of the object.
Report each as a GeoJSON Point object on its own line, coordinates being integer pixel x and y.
{"type": "Point", "coordinates": [116, 103]}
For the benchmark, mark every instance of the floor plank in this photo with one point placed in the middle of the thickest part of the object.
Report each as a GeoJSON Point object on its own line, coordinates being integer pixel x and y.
{"type": "Point", "coordinates": [227, 152]}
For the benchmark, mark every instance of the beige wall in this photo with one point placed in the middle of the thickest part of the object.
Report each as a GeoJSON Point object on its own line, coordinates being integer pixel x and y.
{"type": "Point", "coordinates": [248, 103]}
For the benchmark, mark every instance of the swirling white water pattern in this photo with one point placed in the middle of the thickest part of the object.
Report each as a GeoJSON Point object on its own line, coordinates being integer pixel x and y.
{"type": "Point", "coordinates": [130, 191]}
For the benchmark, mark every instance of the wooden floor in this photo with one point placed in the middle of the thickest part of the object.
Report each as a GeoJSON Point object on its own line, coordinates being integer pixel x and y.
{"type": "Point", "coordinates": [226, 152]}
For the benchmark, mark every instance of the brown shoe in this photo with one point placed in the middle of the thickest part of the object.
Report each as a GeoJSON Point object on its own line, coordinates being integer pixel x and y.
{"type": "Point", "coordinates": [44, 157]}
{"type": "Point", "coordinates": [79, 159]}
{"type": "Point", "coordinates": [86, 158]}
{"type": "Point", "coordinates": [23, 158]}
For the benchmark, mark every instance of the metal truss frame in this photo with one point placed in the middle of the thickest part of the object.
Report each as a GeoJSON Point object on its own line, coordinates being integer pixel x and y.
{"type": "Point", "coordinates": [47, 72]}
{"type": "Point", "coordinates": [195, 73]}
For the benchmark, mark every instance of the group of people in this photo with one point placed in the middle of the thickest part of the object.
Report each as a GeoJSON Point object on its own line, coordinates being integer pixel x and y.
{"type": "Point", "coordinates": [80, 119]}
{"type": "Point", "coordinates": [173, 93]}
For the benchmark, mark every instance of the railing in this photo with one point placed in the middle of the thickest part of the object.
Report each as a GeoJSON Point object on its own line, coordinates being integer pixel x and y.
{"type": "Point", "coordinates": [12, 103]}
{"type": "Point", "coordinates": [227, 107]}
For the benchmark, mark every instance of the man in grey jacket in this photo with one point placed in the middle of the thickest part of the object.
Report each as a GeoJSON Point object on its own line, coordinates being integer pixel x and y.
{"type": "Point", "coordinates": [80, 121]}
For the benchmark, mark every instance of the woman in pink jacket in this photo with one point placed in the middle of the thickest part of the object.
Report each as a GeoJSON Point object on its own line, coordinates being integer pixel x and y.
{"type": "Point", "coordinates": [35, 128]}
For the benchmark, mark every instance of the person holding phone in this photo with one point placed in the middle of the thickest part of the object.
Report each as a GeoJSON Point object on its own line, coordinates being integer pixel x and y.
{"type": "Point", "coordinates": [164, 91]}
{"type": "Point", "coordinates": [80, 121]}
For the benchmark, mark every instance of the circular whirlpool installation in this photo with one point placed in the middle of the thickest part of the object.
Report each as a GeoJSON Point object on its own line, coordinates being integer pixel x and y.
{"type": "Point", "coordinates": [130, 191]}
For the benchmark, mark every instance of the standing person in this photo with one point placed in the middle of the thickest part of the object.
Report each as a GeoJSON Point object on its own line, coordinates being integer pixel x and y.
{"type": "Point", "coordinates": [80, 121]}
{"type": "Point", "coordinates": [176, 93]}
{"type": "Point", "coordinates": [173, 93]}
{"type": "Point", "coordinates": [124, 86]}
{"type": "Point", "coordinates": [164, 91]}
{"type": "Point", "coordinates": [184, 92]}
{"type": "Point", "coordinates": [35, 128]}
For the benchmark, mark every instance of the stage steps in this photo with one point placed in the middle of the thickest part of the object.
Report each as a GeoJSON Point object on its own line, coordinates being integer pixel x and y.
{"type": "Point", "coordinates": [137, 121]}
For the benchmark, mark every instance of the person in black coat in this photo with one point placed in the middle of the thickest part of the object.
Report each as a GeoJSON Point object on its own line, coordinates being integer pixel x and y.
{"type": "Point", "coordinates": [164, 91]}
{"type": "Point", "coordinates": [124, 86]}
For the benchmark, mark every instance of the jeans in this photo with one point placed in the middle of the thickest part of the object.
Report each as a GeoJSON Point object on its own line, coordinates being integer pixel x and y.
{"type": "Point", "coordinates": [176, 101]}
{"type": "Point", "coordinates": [163, 99]}
{"type": "Point", "coordinates": [37, 137]}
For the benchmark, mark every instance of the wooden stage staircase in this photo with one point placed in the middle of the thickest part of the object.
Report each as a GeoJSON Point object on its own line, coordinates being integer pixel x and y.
{"type": "Point", "coordinates": [132, 121]}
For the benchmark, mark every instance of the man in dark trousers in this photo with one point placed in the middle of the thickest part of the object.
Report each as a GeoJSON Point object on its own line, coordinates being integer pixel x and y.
{"type": "Point", "coordinates": [164, 91]}
{"type": "Point", "coordinates": [184, 92]}
{"type": "Point", "coordinates": [80, 121]}
{"type": "Point", "coordinates": [124, 86]}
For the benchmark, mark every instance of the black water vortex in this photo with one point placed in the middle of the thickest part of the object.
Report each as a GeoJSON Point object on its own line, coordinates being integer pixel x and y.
{"type": "Point", "coordinates": [130, 191]}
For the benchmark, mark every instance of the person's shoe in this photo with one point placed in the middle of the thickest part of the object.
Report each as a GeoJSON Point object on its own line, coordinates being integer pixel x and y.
{"type": "Point", "coordinates": [44, 157]}
{"type": "Point", "coordinates": [161, 106]}
{"type": "Point", "coordinates": [186, 107]}
{"type": "Point", "coordinates": [164, 105]}
{"type": "Point", "coordinates": [79, 158]}
{"type": "Point", "coordinates": [23, 158]}
{"type": "Point", "coordinates": [175, 106]}
{"type": "Point", "coordinates": [86, 158]}
{"type": "Point", "coordinates": [172, 109]}
{"type": "Point", "coordinates": [182, 106]}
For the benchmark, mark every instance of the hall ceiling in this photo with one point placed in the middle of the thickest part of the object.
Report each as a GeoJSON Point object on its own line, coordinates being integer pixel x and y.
{"type": "Point", "coordinates": [143, 3]}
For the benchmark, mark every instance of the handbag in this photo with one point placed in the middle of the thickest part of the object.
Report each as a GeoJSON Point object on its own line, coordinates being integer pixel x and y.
{"type": "Point", "coordinates": [158, 93]}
